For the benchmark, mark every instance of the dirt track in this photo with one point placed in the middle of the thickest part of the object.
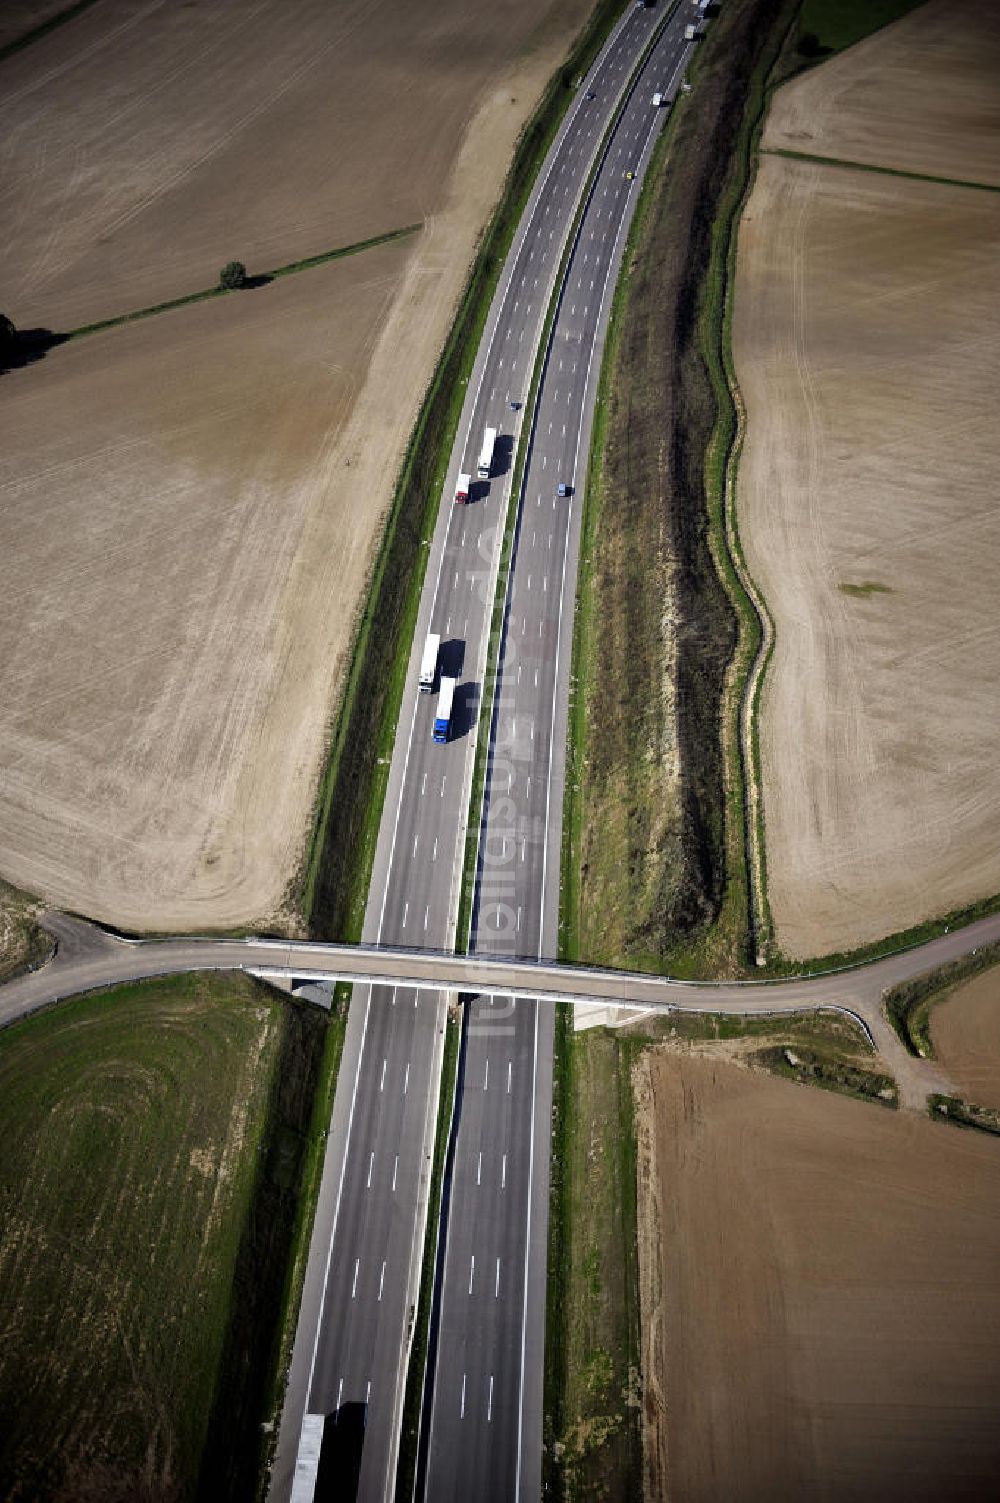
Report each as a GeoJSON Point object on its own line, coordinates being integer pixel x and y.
{"type": "Point", "coordinates": [865, 336]}
{"type": "Point", "coordinates": [965, 1031]}
{"type": "Point", "coordinates": [191, 504]}
{"type": "Point", "coordinates": [821, 1295]}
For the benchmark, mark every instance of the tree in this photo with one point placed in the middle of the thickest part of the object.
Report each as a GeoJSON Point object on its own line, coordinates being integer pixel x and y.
{"type": "Point", "coordinates": [8, 338]}
{"type": "Point", "coordinates": [233, 274]}
{"type": "Point", "coordinates": [809, 45]}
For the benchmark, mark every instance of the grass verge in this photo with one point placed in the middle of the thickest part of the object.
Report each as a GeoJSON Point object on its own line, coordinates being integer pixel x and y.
{"type": "Point", "coordinates": [908, 1006]}
{"type": "Point", "coordinates": [830, 1072]}
{"type": "Point", "coordinates": [592, 1419]}
{"type": "Point", "coordinates": [155, 1154]}
{"type": "Point", "coordinates": [313, 1156]}
{"type": "Point", "coordinates": [352, 792]}
{"type": "Point", "coordinates": [409, 1439]}
{"type": "Point", "coordinates": [963, 1113]}
{"type": "Point", "coordinates": [828, 26]}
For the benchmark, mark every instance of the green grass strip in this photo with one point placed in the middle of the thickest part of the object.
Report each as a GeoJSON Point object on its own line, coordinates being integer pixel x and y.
{"type": "Point", "coordinates": [261, 280]}
{"type": "Point", "coordinates": [963, 1113]}
{"type": "Point", "coordinates": [919, 177]}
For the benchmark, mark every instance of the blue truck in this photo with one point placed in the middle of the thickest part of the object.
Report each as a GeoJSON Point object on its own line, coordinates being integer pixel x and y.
{"type": "Point", "coordinates": [446, 700]}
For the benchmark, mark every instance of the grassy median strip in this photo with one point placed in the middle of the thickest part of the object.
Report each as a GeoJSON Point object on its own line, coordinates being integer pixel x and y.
{"type": "Point", "coordinates": [349, 808]}
{"type": "Point", "coordinates": [156, 1149]}
{"type": "Point", "coordinates": [416, 1375]}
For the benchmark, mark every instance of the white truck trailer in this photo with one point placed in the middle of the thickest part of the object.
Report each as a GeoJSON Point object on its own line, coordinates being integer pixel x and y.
{"type": "Point", "coordinates": [486, 454]}
{"type": "Point", "coordinates": [445, 704]}
{"type": "Point", "coordinates": [429, 663]}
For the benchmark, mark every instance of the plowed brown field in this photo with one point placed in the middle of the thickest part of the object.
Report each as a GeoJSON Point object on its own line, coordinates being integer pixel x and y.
{"type": "Point", "coordinates": [821, 1295]}
{"type": "Point", "coordinates": [965, 1031]}
{"type": "Point", "coordinates": [866, 337]}
{"type": "Point", "coordinates": [190, 505]}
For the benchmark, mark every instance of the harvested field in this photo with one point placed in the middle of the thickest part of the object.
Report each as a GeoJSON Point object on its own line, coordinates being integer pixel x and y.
{"type": "Point", "coordinates": [144, 145]}
{"type": "Point", "coordinates": [152, 1142]}
{"type": "Point", "coordinates": [920, 96]}
{"type": "Point", "coordinates": [866, 337]}
{"type": "Point", "coordinates": [965, 1031]}
{"type": "Point", "coordinates": [180, 567]}
{"type": "Point", "coordinates": [191, 505]}
{"type": "Point", "coordinates": [821, 1294]}
{"type": "Point", "coordinates": [19, 18]}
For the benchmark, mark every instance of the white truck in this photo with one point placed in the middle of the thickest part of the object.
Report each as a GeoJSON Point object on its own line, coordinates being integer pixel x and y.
{"type": "Point", "coordinates": [446, 701]}
{"type": "Point", "coordinates": [429, 663]}
{"type": "Point", "coordinates": [658, 100]}
{"type": "Point", "coordinates": [690, 32]}
{"type": "Point", "coordinates": [462, 489]}
{"type": "Point", "coordinates": [486, 453]}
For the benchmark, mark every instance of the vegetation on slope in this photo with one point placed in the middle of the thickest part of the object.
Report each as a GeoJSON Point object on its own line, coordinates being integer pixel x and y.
{"type": "Point", "coordinates": [654, 823]}
{"type": "Point", "coordinates": [23, 944]}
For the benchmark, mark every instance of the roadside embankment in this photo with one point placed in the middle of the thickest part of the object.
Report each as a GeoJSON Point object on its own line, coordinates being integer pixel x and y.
{"type": "Point", "coordinates": [654, 871]}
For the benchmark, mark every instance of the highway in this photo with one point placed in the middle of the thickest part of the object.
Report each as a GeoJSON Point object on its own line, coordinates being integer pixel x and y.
{"type": "Point", "coordinates": [344, 1404]}
{"type": "Point", "coordinates": [483, 1412]}
{"type": "Point", "coordinates": [486, 1405]}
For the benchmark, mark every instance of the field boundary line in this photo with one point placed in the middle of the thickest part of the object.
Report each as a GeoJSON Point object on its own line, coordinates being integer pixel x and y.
{"type": "Point", "coordinates": [848, 165]}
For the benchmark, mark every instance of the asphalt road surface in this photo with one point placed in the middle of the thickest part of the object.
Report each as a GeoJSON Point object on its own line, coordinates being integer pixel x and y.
{"type": "Point", "coordinates": [485, 1430]}
{"type": "Point", "coordinates": [362, 1284]}
{"type": "Point", "coordinates": [88, 958]}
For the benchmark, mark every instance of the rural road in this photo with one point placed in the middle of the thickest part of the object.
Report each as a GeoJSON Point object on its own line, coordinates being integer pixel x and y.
{"type": "Point", "coordinates": [88, 959]}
